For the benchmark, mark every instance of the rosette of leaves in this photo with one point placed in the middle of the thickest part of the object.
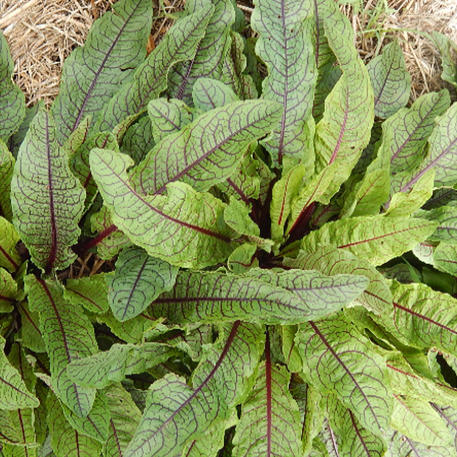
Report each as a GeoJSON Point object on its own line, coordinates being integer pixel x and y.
{"type": "Point", "coordinates": [189, 269]}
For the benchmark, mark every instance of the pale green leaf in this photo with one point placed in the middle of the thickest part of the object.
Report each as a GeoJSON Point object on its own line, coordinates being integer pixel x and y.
{"type": "Point", "coordinates": [138, 280]}
{"type": "Point", "coordinates": [42, 185]}
{"type": "Point", "coordinates": [8, 291]}
{"type": "Point", "coordinates": [125, 417]}
{"type": "Point", "coordinates": [208, 94]}
{"type": "Point", "coordinates": [90, 292]}
{"type": "Point", "coordinates": [108, 367]}
{"type": "Point", "coordinates": [446, 217]}
{"type": "Point", "coordinates": [243, 258]}
{"type": "Point", "coordinates": [116, 44]}
{"type": "Point", "coordinates": [176, 412]}
{"type": "Point", "coordinates": [12, 100]}
{"type": "Point", "coordinates": [110, 240]}
{"type": "Point", "coordinates": [138, 140]}
{"type": "Point", "coordinates": [390, 79]}
{"type": "Point", "coordinates": [445, 258]}
{"type": "Point", "coordinates": [210, 52]}
{"type": "Point", "coordinates": [352, 439]}
{"type": "Point", "coordinates": [402, 446]}
{"type": "Point", "coordinates": [65, 440]}
{"type": "Point", "coordinates": [405, 134]}
{"type": "Point", "coordinates": [376, 239]}
{"type": "Point", "coordinates": [95, 424]}
{"type": "Point", "coordinates": [30, 332]}
{"type": "Point", "coordinates": [183, 228]}
{"type": "Point", "coordinates": [6, 172]}
{"type": "Point", "coordinates": [418, 420]}
{"type": "Point", "coordinates": [283, 193]}
{"type": "Point", "coordinates": [150, 78]}
{"type": "Point", "coordinates": [447, 49]}
{"type": "Point", "coordinates": [68, 335]}
{"type": "Point", "coordinates": [270, 419]}
{"type": "Point", "coordinates": [285, 45]}
{"type": "Point", "coordinates": [208, 150]}
{"type": "Point", "coordinates": [9, 257]}
{"type": "Point", "coordinates": [441, 153]}
{"type": "Point", "coordinates": [376, 297]}
{"type": "Point", "coordinates": [266, 296]}
{"type": "Point", "coordinates": [338, 359]}
{"type": "Point", "coordinates": [167, 116]}
{"type": "Point", "coordinates": [13, 390]}
{"type": "Point", "coordinates": [419, 322]}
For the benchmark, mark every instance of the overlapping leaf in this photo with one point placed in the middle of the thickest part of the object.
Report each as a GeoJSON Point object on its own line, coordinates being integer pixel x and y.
{"type": "Point", "coordinates": [270, 419]}
{"type": "Point", "coordinates": [340, 360]}
{"type": "Point", "coordinates": [108, 367]}
{"type": "Point", "coordinates": [331, 261]}
{"type": "Point", "coordinates": [90, 292]}
{"type": "Point", "coordinates": [92, 74]}
{"type": "Point", "coordinates": [207, 151]}
{"type": "Point", "coordinates": [184, 228]}
{"type": "Point", "coordinates": [292, 296]}
{"type": "Point", "coordinates": [208, 93]}
{"type": "Point", "coordinates": [285, 45]}
{"type": "Point", "coordinates": [68, 335]}
{"type": "Point", "coordinates": [390, 79]}
{"type": "Point", "coordinates": [376, 239]}
{"type": "Point", "coordinates": [138, 280]}
{"type": "Point", "coordinates": [6, 172]}
{"type": "Point", "coordinates": [175, 412]}
{"type": "Point", "coordinates": [210, 53]}
{"type": "Point", "coordinates": [150, 79]}
{"type": "Point", "coordinates": [65, 440]}
{"type": "Point", "coordinates": [9, 257]}
{"type": "Point", "coordinates": [12, 100]}
{"type": "Point", "coordinates": [42, 184]}
{"type": "Point", "coordinates": [8, 291]}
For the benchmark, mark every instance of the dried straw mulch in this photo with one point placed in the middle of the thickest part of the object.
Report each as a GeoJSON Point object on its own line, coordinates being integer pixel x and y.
{"type": "Point", "coordinates": [42, 33]}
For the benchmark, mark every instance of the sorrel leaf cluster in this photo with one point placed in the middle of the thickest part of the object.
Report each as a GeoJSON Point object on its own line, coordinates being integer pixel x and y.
{"type": "Point", "coordinates": [243, 243]}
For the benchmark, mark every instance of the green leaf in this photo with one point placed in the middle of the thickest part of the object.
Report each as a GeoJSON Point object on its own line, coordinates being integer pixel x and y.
{"type": "Point", "coordinates": [374, 238]}
{"type": "Point", "coordinates": [6, 172]}
{"type": "Point", "coordinates": [402, 446]}
{"type": "Point", "coordinates": [68, 335]}
{"type": "Point", "coordinates": [447, 49]}
{"type": "Point", "coordinates": [17, 426]}
{"type": "Point", "coordinates": [9, 257]}
{"type": "Point", "coordinates": [352, 439]}
{"type": "Point", "coordinates": [376, 298]}
{"type": "Point", "coordinates": [8, 291]}
{"type": "Point", "coordinates": [419, 421]}
{"type": "Point", "coordinates": [125, 417]}
{"type": "Point", "coordinates": [285, 45]}
{"type": "Point", "coordinates": [79, 162]}
{"type": "Point", "coordinates": [12, 100]}
{"type": "Point", "coordinates": [390, 79]}
{"type": "Point", "coordinates": [138, 280]}
{"type": "Point", "coordinates": [210, 53]}
{"type": "Point", "coordinates": [405, 134]}
{"type": "Point", "coordinates": [446, 218]}
{"type": "Point", "coordinates": [265, 296]}
{"type": "Point", "coordinates": [42, 185]}
{"type": "Point", "coordinates": [108, 367]}
{"type": "Point", "coordinates": [30, 332]}
{"type": "Point", "coordinates": [445, 258]}
{"type": "Point", "coordinates": [150, 78]}
{"type": "Point", "coordinates": [419, 322]}
{"type": "Point", "coordinates": [206, 151]}
{"type": "Point", "coordinates": [13, 390]}
{"type": "Point", "coordinates": [167, 116]}
{"type": "Point", "coordinates": [95, 424]}
{"type": "Point", "coordinates": [65, 440]}
{"type": "Point", "coordinates": [116, 44]}
{"type": "Point", "coordinates": [110, 240]}
{"type": "Point", "coordinates": [441, 152]}
{"type": "Point", "coordinates": [185, 228]}
{"type": "Point", "coordinates": [345, 128]}
{"type": "Point", "coordinates": [90, 292]}
{"type": "Point", "coordinates": [338, 359]}
{"type": "Point", "coordinates": [283, 193]}
{"type": "Point", "coordinates": [208, 94]}
{"type": "Point", "coordinates": [176, 412]}
{"type": "Point", "coordinates": [270, 419]}
{"type": "Point", "coordinates": [138, 139]}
